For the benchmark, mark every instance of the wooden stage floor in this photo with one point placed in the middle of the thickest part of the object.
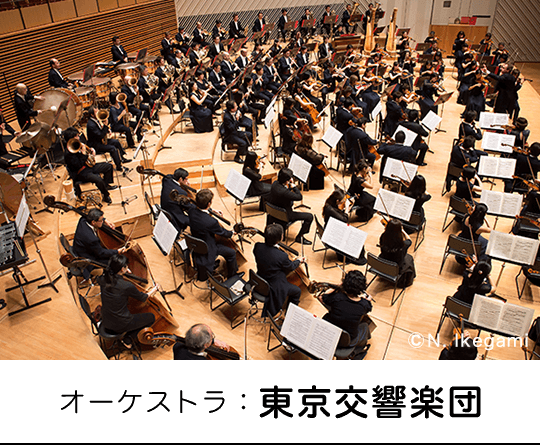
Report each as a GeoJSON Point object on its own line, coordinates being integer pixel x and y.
{"type": "Point", "coordinates": [60, 330]}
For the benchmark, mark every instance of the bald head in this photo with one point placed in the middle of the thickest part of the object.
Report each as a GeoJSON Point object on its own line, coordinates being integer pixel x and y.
{"type": "Point", "coordinates": [54, 64]}
{"type": "Point", "coordinates": [21, 88]}
{"type": "Point", "coordinates": [199, 337]}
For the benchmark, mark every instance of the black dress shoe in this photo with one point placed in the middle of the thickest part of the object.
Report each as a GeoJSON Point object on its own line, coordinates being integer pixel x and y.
{"type": "Point", "coordinates": [112, 187]}
{"type": "Point", "coordinates": [107, 200]}
{"type": "Point", "coordinates": [125, 160]}
{"type": "Point", "coordinates": [302, 240]}
{"type": "Point", "coordinates": [239, 160]}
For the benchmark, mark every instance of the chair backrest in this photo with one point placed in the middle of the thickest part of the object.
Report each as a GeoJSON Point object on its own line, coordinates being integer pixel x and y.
{"type": "Point", "coordinates": [277, 212]}
{"type": "Point", "coordinates": [457, 243]}
{"type": "Point", "coordinates": [88, 312]}
{"type": "Point", "coordinates": [220, 288]}
{"type": "Point", "coordinates": [276, 329]}
{"type": "Point", "coordinates": [151, 206]}
{"type": "Point", "coordinates": [65, 244]}
{"type": "Point", "coordinates": [319, 227]}
{"type": "Point", "coordinates": [261, 286]}
{"type": "Point", "coordinates": [344, 340]}
{"type": "Point", "coordinates": [196, 245]}
{"type": "Point", "coordinates": [457, 204]}
{"type": "Point", "coordinates": [457, 307]}
{"type": "Point", "coordinates": [383, 266]}
{"type": "Point", "coordinates": [454, 170]}
{"type": "Point", "coordinates": [416, 219]}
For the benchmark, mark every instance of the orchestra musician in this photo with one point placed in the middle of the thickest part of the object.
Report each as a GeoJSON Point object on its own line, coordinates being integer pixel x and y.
{"type": "Point", "coordinates": [236, 30]}
{"type": "Point", "coordinates": [527, 166]}
{"type": "Point", "coordinates": [417, 191]}
{"type": "Point", "coordinates": [326, 49]}
{"type": "Point", "coordinates": [270, 76]}
{"type": "Point", "coordinates": [97, 133]}
{"type": "Point", "coordinates": [304, 149]}
{"type": "Point", "coordinates": [119, 120]}
{"type": "Point", "coordinates": [344, 117]}
{"type": "Point", "coordinates": [215, 48]}
{"type": "Point", "coordinates": [167, 50]}
{"type": "Point", "coordinates": [24, 106]}
{"type": "Point", "coordinates": [361, 181]}
{"type": "Point", "coordinates": [418, 144]}
{"type": "Point", "coordinates": [228, 68]}
{"type": "Point", "coordinates": [394, 243]}
{"type": "Point", "coordinates": [434, 48]}
{"type": "Point", "coordinates": [282, 194]}
{"type": "Point", "coordinates": [394, 114]}
{"type": "Point", "coordinates": [134, 99]}
{"type": "Point", "coordinates": [204, 85]}
{"type": "Point", "coordinates": [275, 49]}
{"type": "Point", "coordinates": [232, 133]}
{"type": "Point", "coordinates": [86, 243]}
{"type": "Point", "coordinates": [4, 126]}
{"type": "Point", "coordinates": [281, 23]}
{"type": "Point", "coordinates": [259, 87]}
{"type": "Point", "coordinates": [464, 152]}
{"type": "Point", "coordinates": [217, 80]}
{"type": "Point", "coordinates": [242, 60]}
{"type": "Point", "coordinates": [431, 38]}
{"type": "Point", "coordinates": [459, 43]}
{"type": "Point", "coordinates": [468, 126]}
{"type": "Point", "coordinates": [302, 58]}
{"type": "Point", "coordinates": [357, 142]}
{"type": "Point", "coordinates": [429, 89]}
{"type": "Point", "coordinates": [206, 227]}
{"type": "Point", "coordinates": [79, 170]}
{"type": "Point", "coordinates": [148, 93]}
{"type": "Point", "coordinates": [462, 348]}
{"type": "Point", "coordinates": [396, 150]}
{"type": "Point", "coordinates": [178, 181]}
{"type": "Point", "coordinates": [258, 26]}
{"type": "Point", "coordinates": [119, 54]}
{"type": "Point", "coordinates": [506, 89]}
{"type": "Point", "coordinates": [195, 55]}
{"type": "Point", "coordinates": [198, 339]}
{"type": "Point", "coordinates": [285, 65]}
{"type": "Point", "coordinates": [251, 170]}
{"type": "Point", "coordinates": [55, 78]}
{"type": "Point", "coordinates": [499, 53]}
{"type": "Point", "coordinates": [476, 280]}
{"type": "Point", "coordinates": [346, 17]}
{"type": "Point", "coordinates": [273, 265]}
{"type": "Point", "coordinates": [182, 38]}
{"type": "Point", "coordinates": [347, 307]}
{"type": "Point", "coordinates": [404, 42]}
{"type": "Point", "coordinates": [115, 294]}
{"type": "Point", "coordinates": [218, 31]}
{"type": "Point", "coordinates": [476, 224]}
{"type": "Point", "coordinates": [201, 116]}
{"type": "Point", "coordinates": [327, 13]}
{"type": "Point", "coordinates": [199, 35]}
{"type": "Point", "coordinates": [476, 100]}
{"type": "Point", "coordinates": [306, 17]}
{"type": "Point", "coordinates": [468, 185]}
{"type": "Point", "coordinates": [520, 131]}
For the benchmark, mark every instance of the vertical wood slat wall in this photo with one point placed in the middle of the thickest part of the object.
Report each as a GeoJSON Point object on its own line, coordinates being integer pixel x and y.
{"type": "Point", "coordinates": [78, 43]}
{"type": "Point", "coordinates": [517, 23]}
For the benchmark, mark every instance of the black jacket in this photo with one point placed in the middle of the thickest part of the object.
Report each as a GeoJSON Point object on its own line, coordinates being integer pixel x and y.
{"type": "Point", "coordinates": [86, 244]}
{"type": "Point", "coordinates": [94, 134]}
{"type": "Point", "coordinates": [282, 197]}
{"type": "Point", "coordinates": [118, 53]}
{"type": "Point", "coordinates": [56, 80]}
{"type": "Point", "coordinates": [177, 211]}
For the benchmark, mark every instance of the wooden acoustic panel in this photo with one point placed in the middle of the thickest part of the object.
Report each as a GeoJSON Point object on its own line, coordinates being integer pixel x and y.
{"type": "Point", "coordinates": [79, 43]}
{"type": "Point", "coordinates": [105, 5]}
{"type": "Point", "coordinates": [448, 33]}
{"type": "Point", "coordinates": [36, 15]}
{"type": "Point", "coordinates": [85, 7]}
{"type": "Point", "coordinates": [11, 21]}
{"type": "Point", "coordinates": [62, 10]}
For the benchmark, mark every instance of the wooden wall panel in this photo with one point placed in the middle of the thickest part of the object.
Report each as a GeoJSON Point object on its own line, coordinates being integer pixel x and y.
{"type": "Point", "coordinates": [85, 7]}
{"type": "Point", "coordinates": [11, 21]}
{"type": "Point", "coordinates": [62, 10]}
{"type": "Point", "coordinates": [78, 43]}
{"type": "Point", "coordinates": [448, 33]}
{"type": "Point", "coordinates": [105, 5]}
{"type": "Point", "coordinates": [36, 15]}
{"type": "Point", "coordinates": [123, 3]}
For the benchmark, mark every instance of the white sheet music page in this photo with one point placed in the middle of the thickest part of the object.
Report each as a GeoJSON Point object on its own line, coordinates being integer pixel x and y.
{"type": "Point", "coordinates": [332, 137]}
{"type": "Point", "coordinates": [237, 184]}
{"type": "Point", "coordinates": [410, 136]}
{"type": "Point", "coordinates": [485, 312]}
{"type": "Point", "coordinates": [398, 206]}
{"type": "Point", "coordinates": [165, 233]}
{"type": "Point", "coordinates": [518, 249]}
{"type": "Point", "coordinates": [300, 167]}
{"type": "Point", "coordinates": [401, 169]}
{"type": "Point", "coordinates": [515, 320]}
{"type": "Point", "coordinates": [493, 121]}
{"type": "Point", "coordinates": [23, 213]}
{"type": "Point", "coordinates": [345, 238]}
{"type": "Point", "coordinates": [499, 203]}
{"type": "Point", "coordinates": [494, 141]}
{"type": "Point", "coordinates": [377, 110]}
{"type": "Point", "coordinates": [431, 120]}
{"type": "Point", "coordinates": [496, 167]}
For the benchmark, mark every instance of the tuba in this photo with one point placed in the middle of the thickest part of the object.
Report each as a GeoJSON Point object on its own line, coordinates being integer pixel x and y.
{"type": "Point", "coordinates": [122, 97]}
{"type": "Point", "coordinates": [133, 82]}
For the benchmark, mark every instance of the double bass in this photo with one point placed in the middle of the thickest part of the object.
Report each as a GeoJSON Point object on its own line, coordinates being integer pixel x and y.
{"type": "Point", "coordinates": [137, 263]}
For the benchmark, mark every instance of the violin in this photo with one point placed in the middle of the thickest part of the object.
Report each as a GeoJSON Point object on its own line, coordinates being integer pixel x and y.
{"type": "Point", "coordinates": [522, 150]}
{"type": "Point", "coordinates": [177, 197]}
{"type": "Point", "coordinates": [532, 221]}
{"type": "Point", "coordinates": [401, 180]}
{"type": "Point", "coordinates": [469, 207]}
{"type": "Point", "coordinates": [151, 172]}
{"type": "Point", "coordinates": [251, 231]}
{"type": "Point", "coordinates": [319, 287]}
{"type": "Point", "coordinates": [147, 336]}
{"type": "Point", "coordinates": [259, 161]}
{"type": "Point", "coordinates": [469, 262]}
{"type": "Point", "coordinates": [531, 184]}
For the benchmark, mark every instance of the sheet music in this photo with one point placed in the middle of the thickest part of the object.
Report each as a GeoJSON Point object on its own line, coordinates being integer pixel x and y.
{"type": "Point", "coordinates": [499, 203]}
{"type": "Point", "coordinates": [517, 249]}
{"type": "Point", "coordinates": [270, 114]}
{"type": "Point", "coordinates": [300, 167]}
{"type": "Point", "coordinates": [345, 238]}
{"type": "Point", "coordinates": [507, 318]}
{"type": "Point", "coordinates": [332, 137]}
{"type": "Point", "coordinates": [431, 120]}
{"type": "Point", "coordinates": [494, 141]}
{"type": "Point", "coordinates": [403, 170]}
{"type": "Point", "coordinates": [492, 121]}
{"type": "Point", "coordinates": [165, 233]}
{"type": "Point", "coordinates": [237, 184]}
{"type": "Point", "coordinates": [305, 330]}
{"type": "Point", "coordinates": [23, 213]}
{"type": "Point", "coordinates": [398, 206]}
{"type": "Point", "coordinates": [410, 136]}
{"type": "Point", "coordinates": [496, 167]}
{"type": "Point", "coordinates": [377, 110]}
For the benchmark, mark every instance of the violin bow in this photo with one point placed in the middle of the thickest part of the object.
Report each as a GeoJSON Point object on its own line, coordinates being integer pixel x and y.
{"type": "Point", "coordinates": [129, 237]}
{"type": "Point", "coordinates": [305, 262]}
{"type": "Point", "coordinates": [406, 172]}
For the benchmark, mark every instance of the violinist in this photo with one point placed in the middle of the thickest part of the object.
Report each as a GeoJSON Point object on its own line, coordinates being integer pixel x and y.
{"type": "Point", "coordinates": [487, 45]}
{"type": "Point", "coordinates": [418, 144]}
{"type": "Point", "coordinates": [86, 243]}
{"type": "Point", "coordinates": [232, 133]}
{"type": "Point", "coordinates": [361, 181]}
{"type": "Point", "coordinates": [282, 194]}
{"type": "Point", "coordinates": [404, 42]}
{"type": "Point", "coordinates": [394, 113]}
{"type": "Point", "coordinates": [198, 339]}
{"type": "Point", "coordinates": [468, 185]}
{"type": "Point", "coordinates": [251, 170]}
{"type": "Point", "coordinates": [370, 95]}
{"type": "Point", "coordinates": [347, 307]}
{"type": "Point", "coordinates": [394, 76]}
{"type": "Point", "coordinates": [468, 126]}
{"type": "Point", "coordinates": [459, 42]}
{"type": "Point", "coordinates": [115, 294]}
{"type": "Point", "coordinates": [520, 132]}
{"type": "Point", "coordinates": [427, 69]}
{"type": "Point", "coordinates": [408, 64]}
{"type": "Point", "coordinates": [467, 78]}
{"type": "Point", "coordinates": [434, 48]}
{"type": "Point", "coordinates": [417, 191]}
{"type": "Point", "coordinates": [475, 224]}
{"type": "Point", "coordinates": [527, 166]}
{"type": "Point", "coordinates": [354, 90]}
{"type": "Point", "coordinates": [394, 243]}
{"type": "Point", "coordinates": [309, 87]}
{"type": "Point", "coordinates": [460, 349]}
{"type": "Point", "coordinates": [344, 117]}
{"type": "Point", "coordinates": [179, 211]}
{"type": "Point", "coordinates": [499, 53]}
{"type": "Point", "coordinates": [476, 280]}
{"type": "Point", "coordinates": [431, 38]}
{"type": "Point", "coordinates": [429, 89]}
{"type": "Point", "coordinates": [396, 150]}
{"type": "Point", "coordinates": [464, 152]}
{"type": "Point", "coordinates": [206, 227]}
{"type": "Point", "coordinates": [476, 100]}
{"type": "Point", "coordinates": [273, 265]}
{"type": "Point", "coordinates": [438, 63]}
{"type": "Point", "coordinates": [304, 149]}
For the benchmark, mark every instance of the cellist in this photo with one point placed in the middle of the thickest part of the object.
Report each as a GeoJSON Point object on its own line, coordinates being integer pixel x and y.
{"type": "Point", "coordinates": [198, 339]}
{"type": "Point", "coordinates": [178, 210]}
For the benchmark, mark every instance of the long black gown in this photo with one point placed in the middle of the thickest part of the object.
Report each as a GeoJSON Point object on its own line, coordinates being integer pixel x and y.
{"type": "Point", "coordinates": [201, 117]}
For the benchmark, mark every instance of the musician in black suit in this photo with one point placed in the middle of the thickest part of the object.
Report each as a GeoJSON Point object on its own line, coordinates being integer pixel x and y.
{"type": "Point", "coordinates": [242, 60]}
{"type": "Point", "coordinates": [217, 80]}
{"type": "Point", "coordinates": [231, 131]}
{"type": "Point", "coordinates": [167, 49]}
{"type": "Point", "coordinates": [468, 126]}
{"type": "Point", "coordinates": [358, 142]}
{"type": "Point", "coordinates": [306, 17]}
{"type": "Point", "coordinates": [302, 58]}
{"type": "Point", "coordinates": [131, 92]}
{"type": "Point", "coordinates": [285, 65]}
{"type": "Point", "coordinates": [205, 227]}
{"type": "Point", "coordinates": [346, 17]}
{"type": "Point", "coordinates": [199, 35]}
{"type": "Point", "coordinates": [236, 30]}
{"type": "Point", "coordinates": [282, 194]}
{"type": "Point", "coordinates": [198, 339]}
{"type": "Point", "coordinates": [273, 265]}
{"type": "Point", "coordinates": [215, 48]}
{"type": "Point", "coordinates": [178, 211]}
{"type": "Point", "coordinates": [97, 133]}
{"type": "Point", "coordinates": [228, 68]}
{"type": "Point", "coordinates": [86, 243]}
{"type": "Point", "coordinates": [418, 144]}
{"type": "Point", "coordinates": [183, 38]}
{"type": "Point", "coordinates": [258, 26]}
{"type": "Point", "coordinates": [164, 83]}
{"type": "Point", "coordinates": [118, 120]}
{"type": "Point", "coordinates": [55, 78]}
{"type": "Point", "coordinates": [327, 13]}
{"type": "Point", "coordinates": [119, 54]}
{"type": "Point", "coordinates": [396, 151]}
{"type": "Point", "coordinates": [506, 88]}
{"type": "Point", "coordinates": [344, 115]}
{"type": "Point", "coordinates": [24, 106]}
{"type": "Point", "coordinates": [394, 113]}
{"type": "Point", "coordinates": [217, 30]}
{"type": "Point", "coordinates": [281, 23]}
{"type": "Point", "coordinates": [326, 49]}
{"type": "Point", "coordinates": [270, 76]}
{"type": "Point", "coordinates": [79, 171]}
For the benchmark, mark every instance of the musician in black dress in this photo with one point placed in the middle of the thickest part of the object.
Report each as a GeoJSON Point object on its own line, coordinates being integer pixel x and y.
{"type": "Point", "coordinates": [394, 114]}
{"type": "Point", "coordinates": [418, 144]}
{"type": "Point", "coordinates": [251, 170]}
{"type": "Point", "coordinates": [177, 210]}
{"type": "Point", "coordinates": [468, 126]}
{"type": "Point", "coordinates": [364, 201]}
{"type": "Point", "coordinates": [304, 149]}
{"type": "Point", "coordinates": [475, 224]}
{"type": "Point", "coordinates": [198, 339]}
{"type": "Point", "coordinates": [394, 243]}
{"type": "Point", "coordinates": [417, 191]}
{"type": "Point", "coordinates": [273, 265]}
{"type": "Point", "coordinates": [201, 116]}
{"type": "Point", "coordinates": [206, 227]}
{"type": "Point", "coordinates": [115, 294]}
{"type": "Point", "coordinates": [475, 281]}
{"type": "Point", "coordinates": [428, 91]}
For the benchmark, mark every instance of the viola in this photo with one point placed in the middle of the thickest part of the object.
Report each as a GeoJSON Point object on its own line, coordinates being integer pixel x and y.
{"type": "Point", "coordinates": [160, 339]}
{"type": "Point", "coordinates": [176, 196]}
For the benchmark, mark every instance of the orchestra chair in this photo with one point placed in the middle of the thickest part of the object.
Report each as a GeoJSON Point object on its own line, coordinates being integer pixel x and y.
{"type": "Point", "coordinates": [155, 209]}
{"type": "Point", "coordinates": [530, 273]}
{"type": "Point", "coordinates": [195, 246]}
{"type": "Point", "coordinates": [341, 152]}
{"type": "Point", "coordinates": [112, 345]}
{"type": "Point", "coordinates": [274, 330]}
{"type": "Point", "coordinates": [525, 226]}
{"type": "Point", "coordinates": [452, 171]}
{"type": "Point", "coordinates": [227, 294]}
{"type": "Point", "coordinates": [276, 152]}
{"type": "Point", "coordinates": [248, 200]}
{"type": "Point", "coordinates": [535, 331]}
{"type": "Point", "coordinates": [417, 224]}
{"type": "Point", "coordinates": [343, 349]}
{"type": "Point", "coordinates": [226, 147]}
{"type": "Point", "coordinates": [456, 245]}
{"type": "Point", "coordinates": [76, 272]}
{"type": "Point", "coordinates": [259, 291]}
{"type": "Point", "coordinates": [319, 230]}
{"type": "Point", "coordinates": [387, 270]}
{"type": "Point", "coordinates": [457, 208]}
{"type": "Point", "coordinates": [280, 214]}
{"type": "Point", "coordinates": [452, 307]}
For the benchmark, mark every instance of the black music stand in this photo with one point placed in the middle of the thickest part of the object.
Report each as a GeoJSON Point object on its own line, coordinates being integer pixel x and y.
{"type": "Point", "coordinates": [290, 26]}
{"type": "Point", "coordinates": [308, 25]}
{"type": "Point", "coordinates": [442, 99]}
{"type": "Point", "coordinates": [402, 31]}
{"type": "Point", "coordinates": [141, 55]}
{"type": "Point", "coordinates": [423, 58]}
{"type": "Point", "coordinates": [257, 35]}
{"type": "Point", "coordinates": [378, 30]}
{"type": "Point", "coordinates": [421, 47]}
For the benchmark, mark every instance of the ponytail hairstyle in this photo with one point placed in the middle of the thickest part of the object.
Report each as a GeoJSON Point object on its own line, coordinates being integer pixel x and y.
{"type": "Point", "coordinates": [116, 264]}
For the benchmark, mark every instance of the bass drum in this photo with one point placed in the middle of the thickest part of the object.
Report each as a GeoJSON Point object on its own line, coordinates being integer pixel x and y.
{"type": "Point", "coordinates": [54, 97]}
{"type": "Point", "coordinates": [12, 193]}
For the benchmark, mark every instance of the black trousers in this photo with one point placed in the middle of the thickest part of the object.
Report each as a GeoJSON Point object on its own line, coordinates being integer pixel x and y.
{"type": "Point", "coordinates": [93, 175]}
{"type": "Point", "coordinates": [242, 141]}
{"type": "Point", "coordinates": [121, 128]}
{"type": "Point", "coordinates": [140, 321]}
{"type": "Point", "coordinates": [114, 148]}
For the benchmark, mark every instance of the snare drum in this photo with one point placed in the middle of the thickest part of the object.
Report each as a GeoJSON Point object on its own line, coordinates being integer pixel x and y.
{"type": "Point", "coordinates": [128, 69]}
{"type": "Point", "coordinates": [86, 95]}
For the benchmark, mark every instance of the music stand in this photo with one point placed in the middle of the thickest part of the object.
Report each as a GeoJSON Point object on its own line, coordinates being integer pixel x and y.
{"type": "Point", "coordinates": [378, 30]}
{"type": "Point", "coordinates": [356, 18]}
{"type": "Point", "coordinates": [402, 31]}
{"type": "Point", "coordinates": [257, 35]}
{"type": "Point", "coordinates": [141, 55]}
{"type": "Point", "coordinates": [441, 100]}
{"type": "Point", "coordinates": [330, 19]}
{"type": "Point", "coordinates": [423, 58]}
{"type": "Point", "coordinates": [422, 47]}
{"type": "Point", "coordinates": [290, 26]}
{"type": "Point", "coordinates": [311, 47]}
{"type": "Point", "coordinates": [236, 46]}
